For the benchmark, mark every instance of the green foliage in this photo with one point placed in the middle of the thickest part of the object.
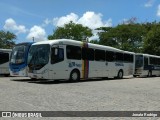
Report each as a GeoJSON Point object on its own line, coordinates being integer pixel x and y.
{"type": "Point", "coordinates": [71, 31]}
{"type": "Point", "coordinates": [152, 40]}
{"type": "Point", "coordinates": [6, 39]}
{"type": "Point", "coordinates": [94, 41]}
{"type": "Point", "coordinates": [129, 36]}
{"type": "Point", "coordinates": [126, 37]}
{"type": "Point", "coordinates": [105, 29]}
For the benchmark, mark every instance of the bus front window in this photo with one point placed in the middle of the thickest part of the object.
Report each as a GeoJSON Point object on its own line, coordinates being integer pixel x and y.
{"type": "Point", "coordinates": [18, 54]}
{"type": "Point", "coordinates": [38, 56]}
{"type": "Point", "coordinates": [139, 61]}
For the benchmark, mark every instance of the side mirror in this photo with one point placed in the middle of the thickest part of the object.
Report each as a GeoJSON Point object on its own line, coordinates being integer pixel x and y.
{"type": "Point", "coordinates": [55, 47]}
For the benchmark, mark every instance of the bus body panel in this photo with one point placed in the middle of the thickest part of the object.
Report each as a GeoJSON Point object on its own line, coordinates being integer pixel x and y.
{"type": "Point", "coordinates": [18, 69]}
{"type": "Point", "coordinates": [129, 68]}
{"type": "Point", "coordinates": [94, 69]}
{"type": "Point", "coordinates": [40, 74]}
{"type": "Point", "coordinates": [4, 68]}
{"type": "Point", "coordinates": [62, 69]}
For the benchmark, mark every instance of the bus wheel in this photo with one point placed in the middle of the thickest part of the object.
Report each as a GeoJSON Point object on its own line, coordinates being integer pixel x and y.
{"type": "Point", "coordinates": [120, 74]}
{"type": "Point", "coordinates": [33, 78]}
{"type": "Point", "coordinates": [134, 75]}
{"type": "Point", "coordinates": [6, 75]}
{"type": "Point", "coordinates": [74, 76]}
{"type": "Point", "coordinates": [149, 73]}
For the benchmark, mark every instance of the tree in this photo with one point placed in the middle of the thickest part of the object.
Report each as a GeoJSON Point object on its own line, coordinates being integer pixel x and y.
{"type": "Point", "coordinates": [6, 39]}
{"type": "Point", "coordinates": [71, 31]}
{"type": "Point", "coordinates": [125, 36]}
{"type": "Point", "coordinates": [152, 40]}
{"type": "Point", "coordinates": [94, 41]}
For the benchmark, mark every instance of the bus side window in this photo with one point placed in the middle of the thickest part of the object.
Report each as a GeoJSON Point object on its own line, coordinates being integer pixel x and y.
{"type": "Point", "coordinates": [131, 58]}
{"type": "Point", "coordinates": [145, 61]}
{"type": "Point", "coordinates": [73, 52]}
{"type": "Point", "coordinates": [57, 55]}
{"type": "Point", "coordinates": [128, 58]}
{"type": "Point", "coordinates": [87, 54]}
{"type": "Point", "coordinates": [119, 57]}
{"type": "Point", "coordinates": [109, 56]}
{"type": "Point", "coordinates": [4, 58]}
{"type": "Point", "coordinates": [152, 60]}
{"type": "Point", "coordinates": [158, 61]}
{"type": "Point", "coordinates": [99, 55]}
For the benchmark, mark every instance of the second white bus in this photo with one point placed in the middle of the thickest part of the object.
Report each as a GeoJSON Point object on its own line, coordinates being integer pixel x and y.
{"type": "Point", "coordinates": [147, 65]}
{"type": "Point", "coordinates": [75, 60]}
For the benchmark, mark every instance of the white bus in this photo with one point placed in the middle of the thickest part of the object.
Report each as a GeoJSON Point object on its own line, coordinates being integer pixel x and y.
{"type": "Point", "coordinates": [4, 61]}
{"type": "Point", "coordinates": [74, 60]}
{"type": "Point", "coordinates": [147, 65]}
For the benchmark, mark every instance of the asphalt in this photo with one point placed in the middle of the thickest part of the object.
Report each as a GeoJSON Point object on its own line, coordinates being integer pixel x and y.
{"type": "Point", "coordinates": [129, 94]}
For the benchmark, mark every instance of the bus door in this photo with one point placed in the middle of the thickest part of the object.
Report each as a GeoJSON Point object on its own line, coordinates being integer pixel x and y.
{"type": "Point", "coordinates": [139, 64]}
{"type": "Point", "coordinates": [110, 64]}
{"type": "Point", "coordinates": [146, 65]}
{"type": "Point", "coordinates": [58, 67]}
{"type": "Point", "coordinates": [111, 69]}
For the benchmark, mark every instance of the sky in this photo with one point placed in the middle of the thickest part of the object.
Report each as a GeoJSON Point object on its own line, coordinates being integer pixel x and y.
{"type": "Point", "coordinates": [39, 18]}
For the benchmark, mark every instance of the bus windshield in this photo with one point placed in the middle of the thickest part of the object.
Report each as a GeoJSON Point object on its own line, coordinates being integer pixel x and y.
{"type": "Point", "coordinates": [139, 61]}
{"type": "Point", "coordinates": [38, 56]}
{"type": "Point", "coordinates": [18, 54]}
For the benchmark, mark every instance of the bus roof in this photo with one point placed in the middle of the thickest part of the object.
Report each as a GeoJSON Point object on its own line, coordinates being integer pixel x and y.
{"type": "Point", "coordinates": [24, 43]}
{"type": "Point", "coordinates": [5, 50]}
{"type": "Point", "coordinates": [148, 55]}
{"type": "Point", "coordinates": [79, 43]}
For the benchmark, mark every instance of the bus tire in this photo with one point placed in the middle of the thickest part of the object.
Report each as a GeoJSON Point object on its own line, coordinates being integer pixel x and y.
{"type": "Point", "coordinates": [7, 75]}
{"type": "Point", "coordinates": [74, 76]}
{"type": "Point", "coordinates": [149, 73]}
{"type": "Point", "coordinates": [120, 74]}
{"type": "Point", "coordinates": [33, 78]}
{"type": "Point", "coordinates": [134, 75]}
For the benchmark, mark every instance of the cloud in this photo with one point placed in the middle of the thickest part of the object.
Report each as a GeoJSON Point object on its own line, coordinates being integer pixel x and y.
{"type": "Point", "coordinates": [46, 22]}
{"type": "Point", "coordinates": [108, 23]}
{"type": "Point", "coordinates": [90, 19]}
{"type": "Point", "coordinates": [93, 20]}
{"type": "Point", "coordinates": [11, 25]}
{"type": "Point", "coordinates": [38, 33]}
{"type": "Point", "coordinates": [65, 19]}
{"type": "Point", "coordinates": [149, 3]}
{"type": "Point", "coordinates": [158, 11]}
{"type": "Point", "coordinates": [95, 35]}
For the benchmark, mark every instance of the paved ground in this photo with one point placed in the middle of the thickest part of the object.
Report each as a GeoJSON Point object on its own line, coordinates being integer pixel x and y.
{"type": "Point", "coordinates": [136, 94]}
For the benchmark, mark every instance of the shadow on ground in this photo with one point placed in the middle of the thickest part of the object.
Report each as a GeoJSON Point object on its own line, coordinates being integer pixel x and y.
{"type": "Point", "coordinates": [47, 82]}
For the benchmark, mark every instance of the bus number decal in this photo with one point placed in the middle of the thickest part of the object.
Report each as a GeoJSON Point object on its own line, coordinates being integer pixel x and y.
{"type": "Point", "coordinates": [119, 64]}
{"type": "Point", "coordinates": [73, 64]}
